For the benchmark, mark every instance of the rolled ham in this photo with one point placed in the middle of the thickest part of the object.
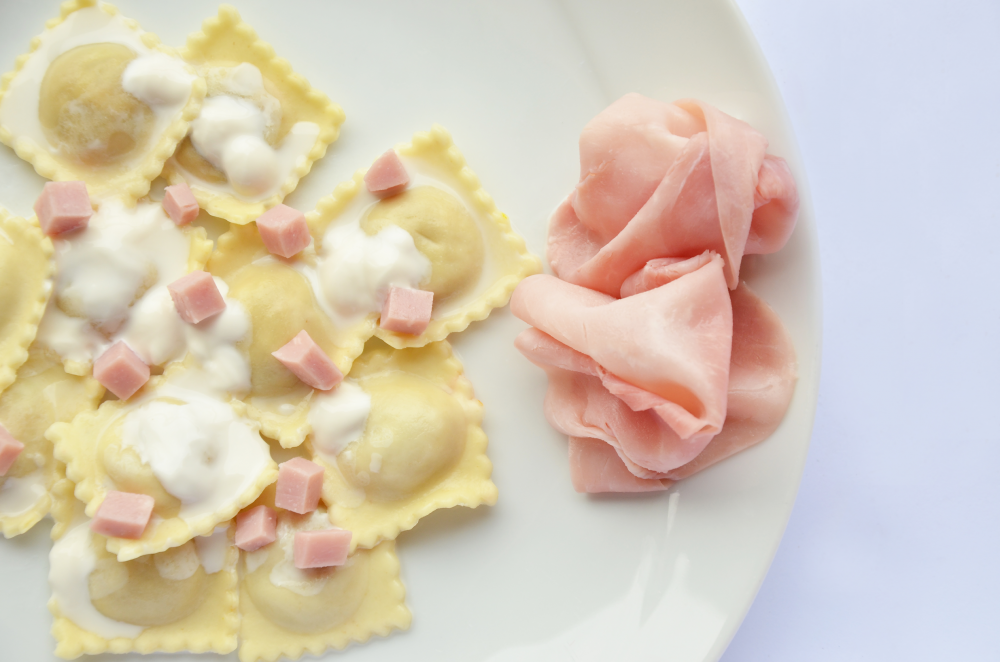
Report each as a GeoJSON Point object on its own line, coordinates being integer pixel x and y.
{"type": "Point", "coordinates": [665, 180]}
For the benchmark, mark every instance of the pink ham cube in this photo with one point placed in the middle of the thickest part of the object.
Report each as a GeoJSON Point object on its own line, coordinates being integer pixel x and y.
{"type": "Point", "coordinates": [299, 485]}
{"type": "Point", "coordinates": [321, 549]}
{"type": "Point", "coordinates": [10, 448]}
{"type": "Point", "coordinates": [283, 230]}
{"type": "Point", "coordinates": [63, 207]}
{"type": "Point", "coordinates": [309, 362]}
{"type": "Point", "coordinates": [123, 515]}
{"type": "Point", "coordinates": [387, 176]}
{"type": "Point", "coordinates": [180, 204]}
{"type": "Point", "coordinates": [121, 370]}
{"type": "Point", "coordinates": [196, 297]}
{"type": "Point", "coordinates": [255, 528]}
{"type": "Point", "coordinates": [407, 310]}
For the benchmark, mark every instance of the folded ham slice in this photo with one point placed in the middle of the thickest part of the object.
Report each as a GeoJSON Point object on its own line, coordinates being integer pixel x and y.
{"type": "Point", "coordinates": [665, 180]}
{"type": "Point", "coordinates": [607, 437]}
{"type": "Point", "coordinates": [648, 374]}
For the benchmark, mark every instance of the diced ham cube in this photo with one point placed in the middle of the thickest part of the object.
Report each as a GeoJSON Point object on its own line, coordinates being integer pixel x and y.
{"type": "Point", "coordinates": [63, 207]}
{"type": "Point", "coordinates": [299, 485]}
{"type": "Point", "coordinates": [180, 204]}
{"type": "Point", "coordinates": [407, 310]}
{"type": "Point", "coordinates": [196, 297]}
{"type": "Point", "coordinates": [283, 230]}
{"type": "Point", "coordinates": [123, 515]}
{"type": "Point", "coordinates": [121, 370]}
{"type": "Point", "coordinates": [255, 528]}
{"type": "Point", "coordinates": [387, 176]}
{"type": "Point", "coordinates": [321, 549]}
{"type": "Point", "coordinates": [10, 448]}
{"type": "Point", "coordinates": [309, 362]}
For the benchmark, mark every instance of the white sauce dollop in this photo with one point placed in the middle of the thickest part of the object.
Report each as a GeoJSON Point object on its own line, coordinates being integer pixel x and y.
{"type": "Point", "coordinates": [213, 549]}
{"type": "Point", "coordinates": [19, 494]}
{"type": "Point", "coordinates": [157, 80]}
{"type": "Point", "coordinates": [338, 417]}
{"type": "Point", "coordinates": [200, 450]}
{"type": "Point", "coordinates": [356, 270]}
{"type": "Point", "coordinates": [71, 561]}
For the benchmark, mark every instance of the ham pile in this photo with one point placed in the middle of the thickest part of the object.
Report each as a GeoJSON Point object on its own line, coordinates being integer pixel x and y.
{"type": "Point", "coordinates": [660, 361]}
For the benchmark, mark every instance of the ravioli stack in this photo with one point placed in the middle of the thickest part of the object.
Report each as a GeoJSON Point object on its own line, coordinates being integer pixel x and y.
{"type": "Point", "coordinates": [98, 100]}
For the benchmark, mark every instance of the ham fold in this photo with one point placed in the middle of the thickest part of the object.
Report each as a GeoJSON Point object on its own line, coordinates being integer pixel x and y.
{"type": "Point", "coordinates": [648, 374]}
{"type": "Point", "coordinates": [665, 180]}
{"type": "Point", "coordinates": [611, 444]}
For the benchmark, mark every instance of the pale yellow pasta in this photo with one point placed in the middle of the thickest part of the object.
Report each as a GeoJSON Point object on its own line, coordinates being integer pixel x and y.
{"type": "Point", "coordinates": [42, 395]}
{"type": "Point", "coordinates": [92, 129]}
{"type": "Point", "coordinates": [98, 461]}
{"type": "Point", "coordinates": [175, 603]}
{"type": "Point", "coordinates": [476, 257]}
{"type": "Point", "coordinates": [288, 612]}
{"type": "Point", "coordinates": [281, 303]}
{"type": "Point", "coordinates": [26, 273]}
{"type": "Point", "coordinates": [226, 41]}
{"type": "Point", "coordinates": [425, 428]}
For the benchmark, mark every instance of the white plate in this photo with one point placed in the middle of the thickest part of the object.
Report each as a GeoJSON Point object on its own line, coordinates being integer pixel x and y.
{"type": "Point", "coordinates": [546, 575]}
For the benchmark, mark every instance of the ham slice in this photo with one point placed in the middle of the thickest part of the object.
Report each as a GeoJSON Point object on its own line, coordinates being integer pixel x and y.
{"type": "Point", "coordinates": [648, 374]}
{"type": "Point", "coordinates": [666, 181]}
{"type": "Point", "coordinates": [762, 380]}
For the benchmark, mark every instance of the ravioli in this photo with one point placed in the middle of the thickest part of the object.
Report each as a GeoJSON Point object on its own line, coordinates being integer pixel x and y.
{"type": "Point", "coordinates": [111, 284]}
{"type": "Point", "coordinates": [98, 100]}
{"type": "Point", "coordinates": [476, 259]}
{"type": "Point", "coordinates": [422, 447]}
{"type": "Point", "coordinates": [289, 612]}
{"type": "Point", "coordinates": [198, 457]}
{"type": "Point", "coordinates": [42, 395]}
{"type": "Point", "coordinates": [287, 124]}
{"type": "Point", "coordinates": [183, 599]}
{"type": "Point", "coordinates": [281, 302]}
{"type": "Point", "coordinates": [26, 273]}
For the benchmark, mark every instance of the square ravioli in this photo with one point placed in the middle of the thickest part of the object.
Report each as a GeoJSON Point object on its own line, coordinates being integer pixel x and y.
{"type": "Point", "coordinates": [282, 298]}
{"type": "Point", "coordinates": [99, 100]}
{"type": "Point", "coordinates": [196, 455]}
{"type": "Point", "coordinates": [260, 129]}
{"type": "Point", "coordinates": [26, 269]}
{"type": "Point", "coordinates": [289, 612]}
{"type": "Point", "coordinates": [111, 285]}
{"type": "Point", "coordinates": [43, 394]}
{"type": "Point", "coordinates": [399, 439]}
{"type": "Point", "coordinates": [444, 230]}
{"type": "Point", "coordinates": [183, 599]}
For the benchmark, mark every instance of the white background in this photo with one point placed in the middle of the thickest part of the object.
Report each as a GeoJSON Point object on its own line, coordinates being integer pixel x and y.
{"type": "Point", "coordinates": [893, 549]}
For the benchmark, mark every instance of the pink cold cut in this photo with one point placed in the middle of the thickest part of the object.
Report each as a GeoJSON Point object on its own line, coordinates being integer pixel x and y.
{"type": "Point", "coordinates": [407, 310]}
{"type": "Point", "coordinates": [300, 483]}
{"type": "Point", "coordinates": [309, 362]}
{"type": "Point", "coordinates": [256, 528]}
{"type": "Point", "coordinates": [10, 449]}
{"type": "Point", "coordinates": [196, 297]}
{"type": "Point", "coordinates": [387, 176]}
{"type": "Point", "coordinates": [180, 204]}
{"type": "Point", "coordinates": [321, 549]}
{"type": "Point", "coordinates": [595, 467]}
{"type": "Point", "coordinates": [121, 370]}
{"type": "Point", "coordinates": [63, 207]}
{"type": "Point", "coordinates": [283, 230]}
{"type": "Point", "coordinates": [123, 515]}
{"type": "Point", "coordinates": [668, 180]}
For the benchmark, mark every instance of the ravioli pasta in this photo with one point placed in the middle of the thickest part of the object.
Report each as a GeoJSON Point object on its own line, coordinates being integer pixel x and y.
{"type": "Point", "coordinates": [476, 257]}
{"type": "Point", "coordinates": [422, 448]}
{"type": "Point", "coordinates": [211, 457]}
{"type": "Point", "coordinates": [299, 122]}
{"type": "Point", "coordinates": [77, 109]}
{"type": "Point", "coordinates": [183, 599]}
{"type": "Point", "coordinates": [288, 612]}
